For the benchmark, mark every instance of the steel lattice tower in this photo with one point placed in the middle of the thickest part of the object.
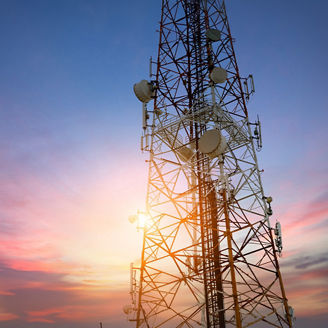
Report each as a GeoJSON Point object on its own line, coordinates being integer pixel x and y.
{"type": "Point", "coordinates": [209, 254]}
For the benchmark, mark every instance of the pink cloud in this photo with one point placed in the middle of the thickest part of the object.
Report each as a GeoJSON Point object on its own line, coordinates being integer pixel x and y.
{"type": "Point", "coordinates": [105, 307]}
{"type": "Point", "coordinates": [8, 316]}
{"type": "Point", "coordinates": [317, 214]}
{"type": "Point", "coordinates": [40, 320]}
{"type": "Point", "coordinates": [305, 278]}
{"type": "Point", "coordinates": [50, 265]}
{"type": "Point", "coordinates": [30, 248]}
{"type": "Point", "coordinates": [314, 275]}
{"type": "Point", "coordinates": [308, 300]}
{"type": "Point", "coordinates": [304, 224]}
{"type": "Point", "coordinates": [6, 293]}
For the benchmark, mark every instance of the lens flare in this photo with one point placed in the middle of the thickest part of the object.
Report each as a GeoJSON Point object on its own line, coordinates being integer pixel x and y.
{"type": "Point", "coordinates": [143, 220]}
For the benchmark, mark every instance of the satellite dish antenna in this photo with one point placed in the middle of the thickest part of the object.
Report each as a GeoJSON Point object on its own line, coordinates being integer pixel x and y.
{"type": "Point", "coordinates": [143, 91]}
{"type": "Point", "coordinates": [127, 309]}
{"type": "Point", "coordinates": [185, 153]}
{"type": "Point", "coordinates": [213, 34]}
{"type": "Point", "coordinates": [133, 218]}
{"type": "Point", "coordinates": [218, 75]}
{"type": "Point", "coordinates": [212, 143]}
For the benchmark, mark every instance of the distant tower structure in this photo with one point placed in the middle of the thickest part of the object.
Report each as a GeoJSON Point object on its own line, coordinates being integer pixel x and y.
{"type": "Point", "coordinates": [209, 253]}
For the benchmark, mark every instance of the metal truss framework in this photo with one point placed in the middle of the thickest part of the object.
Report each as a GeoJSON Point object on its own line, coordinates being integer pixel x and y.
{"type": "Point", "coordinates": [208, 257]}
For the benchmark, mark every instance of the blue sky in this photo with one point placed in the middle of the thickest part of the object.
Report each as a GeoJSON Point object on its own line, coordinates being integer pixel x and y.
{"type": "Point", "coordinates": [71, 170]}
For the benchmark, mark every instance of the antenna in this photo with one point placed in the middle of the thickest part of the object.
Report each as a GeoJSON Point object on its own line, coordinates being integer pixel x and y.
{"type": "Point", "coordinates": [258, 134]}
{"type": "Point", "coordinates": [278, 239]}
{"type": "Point", "coordinates": [249, 86]}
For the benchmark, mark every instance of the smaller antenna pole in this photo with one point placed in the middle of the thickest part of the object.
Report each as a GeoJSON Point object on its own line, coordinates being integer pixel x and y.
{"type": "Point", "coordinates": [100, 324]}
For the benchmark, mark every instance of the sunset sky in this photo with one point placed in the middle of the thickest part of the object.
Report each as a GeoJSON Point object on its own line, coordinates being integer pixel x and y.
{"type": "Point", "coordinates": [71, 170]}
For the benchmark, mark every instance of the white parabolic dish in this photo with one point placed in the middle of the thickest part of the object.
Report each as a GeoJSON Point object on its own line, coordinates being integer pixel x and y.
{"type": "Point", "coordinates": [143, 91]}
{"type": "Point", "coordinates": [213, 34]}
{"type": "Point", "coordinates": [212, 143]}
{"type": "Point", "coordinates": [218, 75]}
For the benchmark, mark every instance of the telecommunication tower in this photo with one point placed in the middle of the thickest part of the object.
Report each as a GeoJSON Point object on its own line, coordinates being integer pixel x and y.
{"type": "Point", "coordinates": [209, 254]}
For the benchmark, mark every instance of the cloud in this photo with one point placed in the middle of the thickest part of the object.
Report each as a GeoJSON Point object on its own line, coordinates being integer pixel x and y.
{"type": "Point", "coordinates": [47, 297]}
{"type": "Point", "coordinates": [304, 215]}
{"type": "Point", "coordinates": [306, 282]}
{"type": "Point", "coordinates": [90, 312]}
{"type": "Point", "coordinates": [40, 320]}
{"type": "Point", "coordinates": [5, 316]}
{"type": "Point", "coordinates": [4, 292]}
{"type": "Point", "coordinates": [307, 261]}
{"type": "Point", "coordinates": [318, 275]}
